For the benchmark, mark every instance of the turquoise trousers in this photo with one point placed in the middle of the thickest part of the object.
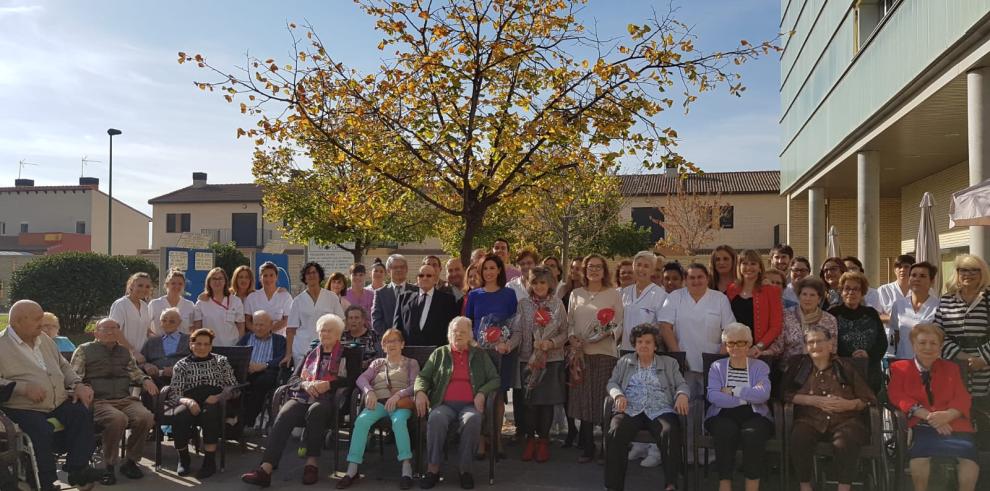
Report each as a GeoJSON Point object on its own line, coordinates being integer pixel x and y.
{"type": "Point", "coordinates": [362, 426]}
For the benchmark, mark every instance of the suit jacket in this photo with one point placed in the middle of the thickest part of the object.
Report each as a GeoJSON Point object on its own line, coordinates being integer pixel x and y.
{"type": "Point", "coordinates": [384, 314]}
{"type": "Point", "coordinates": [278, 348]}
{"type": "Point", "coordinates": [443, 308]}
{"type": "Point", "coordinates": [948, 391]}
{"type": "Point", "coordinates": [154, 351]}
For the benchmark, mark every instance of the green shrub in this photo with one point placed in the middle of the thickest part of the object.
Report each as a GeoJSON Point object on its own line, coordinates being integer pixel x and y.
{"type": "Point", "coordinates": [76, 286]}
{"type": "Point", "coordinates": [228, 257]}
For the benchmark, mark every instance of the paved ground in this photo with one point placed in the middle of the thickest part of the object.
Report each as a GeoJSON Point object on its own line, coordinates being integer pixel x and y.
{"type": "Point", "coordinates": [561, 472]}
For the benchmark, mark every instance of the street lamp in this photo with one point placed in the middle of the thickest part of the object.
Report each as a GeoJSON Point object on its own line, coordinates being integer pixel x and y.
{"type": "Point", "coordinates": [110, 132]}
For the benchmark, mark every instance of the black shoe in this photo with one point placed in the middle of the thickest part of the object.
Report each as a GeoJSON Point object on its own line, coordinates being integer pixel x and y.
{"type": "Point", "coordinates": [84, 476]}
{"type": "Point", "coordinates": [405, 482]}
{"type": "Point", "coordinates": [467, 480]}
{"type": "Point", "coordinates": [184, 468]}
{"type": "Point", "coordinates": [109, 476]}
{"type": "Point", "coordinates": [130, 470]}
{"type": "Point", "coordinates": [429, 480]}
{"type": "Point", "coordinates": [209, 466]}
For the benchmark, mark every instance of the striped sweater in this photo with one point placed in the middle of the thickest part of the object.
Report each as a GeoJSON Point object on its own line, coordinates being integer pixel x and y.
{"type": "Point", "coordinates": [967, 330]}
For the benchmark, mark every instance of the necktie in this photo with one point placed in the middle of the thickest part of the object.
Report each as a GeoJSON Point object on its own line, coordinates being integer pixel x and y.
{"type": "Point", "coordinates": [926, 378]}
{"type": "Point", "coordinates": [420, 304]}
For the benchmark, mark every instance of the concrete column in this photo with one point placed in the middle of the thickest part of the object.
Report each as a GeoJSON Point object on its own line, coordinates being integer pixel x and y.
{"type": "Point", "coordinates": [978, 97]}
{"type": "Point", "coordinates": [816, 227]}
{"type": "Point", "coordinates": [868, 212]}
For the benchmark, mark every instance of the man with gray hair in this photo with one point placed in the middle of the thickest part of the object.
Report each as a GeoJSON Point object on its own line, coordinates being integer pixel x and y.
{"type": "Point", "coordinates": [110, 369]}
{"type": "Point", "coordinates": [384, 307]}
{"type": "Point", "coordinates": [269, 349]}
{"type": "Point", "coordinates": [34, 388]}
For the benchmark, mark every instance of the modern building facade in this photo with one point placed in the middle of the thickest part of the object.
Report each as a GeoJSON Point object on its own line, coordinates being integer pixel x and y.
{"type": "Point", "coordinates": [753, 214]}
{"type": "Point", "coordinates": [51, 219]}
{"type": "Point", "coordinates": [882, 101]}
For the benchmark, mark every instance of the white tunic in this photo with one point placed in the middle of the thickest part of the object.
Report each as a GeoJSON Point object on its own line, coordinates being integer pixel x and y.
{"type": "Point", "coordinates": [872, 299]}
{"type": "Point", "coordinates": [903, 318]}
{"type": "Point", "coordinates": [134, 322]}
{"type": "Point", "coordinates": [187, 310]}
{"type": "Point", "coordinates": [303, 315]}
{"type": "Point", "coordinates": [639, 310]}
{"type": "Point", "coordinates": [517, 287]}
{"type": "Point", "coordinates": [889, 293]}
{"type": "Point", "coordinates": [277, 307]}
{"type": "Point", "coordinates": [221, 317]}
{"type": "Point", "coordinates": [697, 325]}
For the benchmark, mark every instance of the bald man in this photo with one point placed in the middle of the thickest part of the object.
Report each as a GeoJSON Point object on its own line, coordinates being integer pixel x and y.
{"type": "Point", "coordinates": [34, 386]}
{"type": "Point", "coordinates": [110, 369]}
{"type": "Point", "coordinates": [269, 349]}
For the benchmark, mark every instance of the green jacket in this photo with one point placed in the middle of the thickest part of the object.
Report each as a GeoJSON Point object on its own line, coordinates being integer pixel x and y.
{"type": "Point", "coordinates": [435, 375]}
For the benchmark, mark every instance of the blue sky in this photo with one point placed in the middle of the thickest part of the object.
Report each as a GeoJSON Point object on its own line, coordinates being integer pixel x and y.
{"type": "Point", "coordinates": [69, 70]}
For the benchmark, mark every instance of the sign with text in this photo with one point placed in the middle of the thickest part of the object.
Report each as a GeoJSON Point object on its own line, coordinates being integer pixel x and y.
{"type": "Point", "coordinates": [332, 258]}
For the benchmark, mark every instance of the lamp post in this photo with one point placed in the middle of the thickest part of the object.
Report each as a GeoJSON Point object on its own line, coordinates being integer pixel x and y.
{"type": "Point", "coordinates": [110, 132]}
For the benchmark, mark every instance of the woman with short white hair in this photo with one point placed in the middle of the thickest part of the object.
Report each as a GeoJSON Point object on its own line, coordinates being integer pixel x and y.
{"type": "Point", "coordinates": [738, 390]}
{"type": "Point", "coordinates": [310, 403]}
{"type": "Point", "coordinates": [453, 384]}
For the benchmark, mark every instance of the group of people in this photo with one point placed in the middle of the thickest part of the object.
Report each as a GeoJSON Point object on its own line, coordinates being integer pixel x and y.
{"type": "Point", "coordinates": [552, 339]}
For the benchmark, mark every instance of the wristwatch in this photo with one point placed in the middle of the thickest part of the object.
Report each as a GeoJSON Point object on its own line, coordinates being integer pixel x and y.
{"type": "Point", "coordinates": [760, 346]}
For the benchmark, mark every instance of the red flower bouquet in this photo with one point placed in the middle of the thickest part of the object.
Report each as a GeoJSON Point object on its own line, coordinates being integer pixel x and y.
{"type": "Point", "coordinates": [492, 332]}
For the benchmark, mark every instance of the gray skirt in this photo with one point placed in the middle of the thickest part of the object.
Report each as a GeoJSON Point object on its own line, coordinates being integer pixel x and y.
{"type": "Point", "coordinates": [551, 389]}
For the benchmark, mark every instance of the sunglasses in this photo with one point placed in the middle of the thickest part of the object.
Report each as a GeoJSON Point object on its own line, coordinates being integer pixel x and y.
{"type": "Point", "coordinates": [736, 344]}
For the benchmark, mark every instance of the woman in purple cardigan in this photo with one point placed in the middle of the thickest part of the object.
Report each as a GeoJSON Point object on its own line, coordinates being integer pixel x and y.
{"type": "Point", "coordinates": [738, 390]}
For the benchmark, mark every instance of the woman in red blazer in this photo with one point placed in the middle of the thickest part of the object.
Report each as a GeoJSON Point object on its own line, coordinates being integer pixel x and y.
{"type": "Point", "coordinates": [938, 414]}
{"type": "Point", "coordinates": [757, 305]}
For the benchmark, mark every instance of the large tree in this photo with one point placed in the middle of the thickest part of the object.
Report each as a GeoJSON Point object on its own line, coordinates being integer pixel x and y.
{"type": "Point", "coordinates": [482, 102]}
{"type": "Point", "coordinates": [331, 202]}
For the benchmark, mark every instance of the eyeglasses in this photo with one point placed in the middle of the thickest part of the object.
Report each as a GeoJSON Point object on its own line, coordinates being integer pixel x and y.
{"type": "Point", "coordinates": [968, 271]}
{"type": "Point", "coordinates": [421, 275]}
{"type": "Point", "coordinates": [736, 344]}
{"type": "Point", "coordinates": [595, 267]}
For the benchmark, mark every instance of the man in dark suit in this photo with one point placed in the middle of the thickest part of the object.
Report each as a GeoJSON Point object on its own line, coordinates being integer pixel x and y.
{"type": "Point", "coordinates": [269, 349]}
{"type": "Point", "coordinates": [161, 352]}
{"type": "Point", "coordinates": [425, 313]}
{"type": "Point", "coordinates": [384, 308]}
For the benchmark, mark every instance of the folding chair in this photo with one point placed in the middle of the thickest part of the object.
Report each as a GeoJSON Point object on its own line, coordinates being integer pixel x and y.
{"type": "Point", "coordinates": [644, 436]}
{"type": "Point", "coordinates": [704, 440]}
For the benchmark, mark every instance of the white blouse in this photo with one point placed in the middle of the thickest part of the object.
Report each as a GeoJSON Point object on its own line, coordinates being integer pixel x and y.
{"type": "Point", "coordinates": [134, 321]}
{"type": "Point", "coordinates": [221, 317]}
{"type": "Point", "coordinates": [697, 325]}
{"type": "Point", "coordinates": [903, 318]}
{"type": "Point", "coordinates": [639, 310]}
{"type": "Point", "coordinates": [277, 307]}
{"type": "Point", "coordinates": [303, 314]}
{"type": "Point", "coordinates": [187, 310]}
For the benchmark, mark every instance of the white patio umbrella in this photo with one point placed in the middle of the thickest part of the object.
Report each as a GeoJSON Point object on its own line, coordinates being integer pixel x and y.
{"type": "Point", "coordinates": [926, 246]}
{"type": "Point", "coordinates": [971, 206]}
{"type": "Point", "coordinates": [832, 246]}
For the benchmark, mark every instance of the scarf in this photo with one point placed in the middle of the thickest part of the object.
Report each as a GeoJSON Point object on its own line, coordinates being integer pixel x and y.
{"type": "Point", "coordinates": [312, 369]}
{"type": "Point", "coordinates": [808, 319]}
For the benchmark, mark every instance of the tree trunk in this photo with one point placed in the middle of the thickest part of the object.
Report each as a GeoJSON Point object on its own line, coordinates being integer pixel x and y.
{"type": "Point", "coordinates": [360, 249]}
{"type": "Point", "coordinates": [473, 221]}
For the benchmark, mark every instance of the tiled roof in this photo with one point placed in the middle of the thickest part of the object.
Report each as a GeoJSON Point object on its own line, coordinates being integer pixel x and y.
{"type": "Point", "coordinates": [744, 182]}
{"type": "Point", "coordinates": [213, 193]}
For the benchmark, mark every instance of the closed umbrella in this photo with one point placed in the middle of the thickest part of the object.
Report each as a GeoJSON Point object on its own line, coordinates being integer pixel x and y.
{"type": "Point", "coordinates": [926, 246]}
{"type": "Point", "coordinates": [832, 246]}
{"type": "Point", "coordinates": [971, 206]}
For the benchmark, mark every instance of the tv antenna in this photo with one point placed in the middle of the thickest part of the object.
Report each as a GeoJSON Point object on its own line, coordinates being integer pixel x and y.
{"type": "Point", "coordinates": [86, 161]}
{"type": "Point", "coordinates": [20, 166]}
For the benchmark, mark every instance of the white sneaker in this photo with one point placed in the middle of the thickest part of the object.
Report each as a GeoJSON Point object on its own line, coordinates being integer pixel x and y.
{"type": "Point", "coordinates": [638, 452]}
{"type": "Point", "coordinates": [651, 460]}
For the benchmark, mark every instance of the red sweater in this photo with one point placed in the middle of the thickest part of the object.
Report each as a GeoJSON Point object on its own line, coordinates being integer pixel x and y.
{"type": "Point", "coordinates": [948, 391]}
{"type": "Point", "coordinates": [768, 312]}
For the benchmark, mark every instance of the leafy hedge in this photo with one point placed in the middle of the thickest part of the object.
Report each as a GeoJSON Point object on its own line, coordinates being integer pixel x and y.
{"type": "Point", "coordinates": [228, 257]}
{"type": "Point", "coordinates": [77, 286]}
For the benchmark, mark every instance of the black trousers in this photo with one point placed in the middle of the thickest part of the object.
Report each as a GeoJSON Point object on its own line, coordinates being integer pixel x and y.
{"type": "Point", "coordinates": [253, 398]}
{"type": "Point", "coordinates": [539, 419]}
{"type": "Point", "coordinates": [666, 430]}
{"type": "Point", "coordinates": [208, 419]}
{"type": "Point", "coordinates": [315, 416]}
{"type": "Point", "coordinates": [736, 428]}
{"type": "Point", "coordinates": [78, 436]}
{"type": "Point", "coordinates": [520, 412]}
